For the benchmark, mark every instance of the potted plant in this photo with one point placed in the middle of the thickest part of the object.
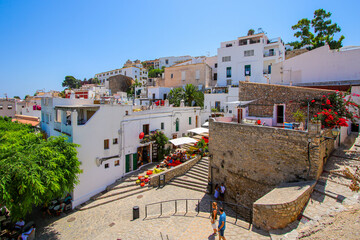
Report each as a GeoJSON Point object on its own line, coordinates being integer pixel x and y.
{"type": "Point", "coordinates": [299, 117]}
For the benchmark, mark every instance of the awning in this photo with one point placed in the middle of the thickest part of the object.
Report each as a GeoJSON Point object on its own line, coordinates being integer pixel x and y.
{"type": "Point", "coordinates": [205, 124]}
{"type": "Point", "coordinates": [241, 103]}
{"type": "Point", "coordinates": [199, 130]}
{"type": "Point", "coordinates": [182, 140]}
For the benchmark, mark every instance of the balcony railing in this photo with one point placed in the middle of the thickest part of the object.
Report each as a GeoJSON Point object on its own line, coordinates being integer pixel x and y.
{"type": "Point", "coordinates": [269, 54]}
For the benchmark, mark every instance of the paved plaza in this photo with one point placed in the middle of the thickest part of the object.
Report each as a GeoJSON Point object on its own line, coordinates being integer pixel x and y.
{"type": "Point", "coordinates": [114, 220]}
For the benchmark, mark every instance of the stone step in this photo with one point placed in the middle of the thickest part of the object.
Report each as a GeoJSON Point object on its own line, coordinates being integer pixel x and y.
{"type": "Point", "coordinates": [196, 176]}
{"type": "Point", "coordinates": [190, 183]}
{"type": "Point", "coordinates": [103, 201]}
{"type": "Point", "coordinates": [188, 187]}
{"type": "Point", "coordinates": [200, 168]}
{"type": "Point", "coordinates": [119, 191]}
{"type": "Point", "coordinates": [332, 189]}
{"type": "Point", "coordinates": [204, 173]}
{"type": "Point", "coordinates": [320, 204]}
{"type": "Point", "coordinates": [194, 180]}
{"type": "Point", "coordinates": [118, 185]}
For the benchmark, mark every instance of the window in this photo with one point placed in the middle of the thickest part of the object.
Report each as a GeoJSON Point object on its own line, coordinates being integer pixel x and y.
{"type": "Point", "coordinates": [106, 144]}
{"type": "Point", "coordinates": [126, 112]}
{"type": "Point", "coordinates": [228, 82]}
{"type": "Point", "coordinates": [135, 76]}
{"type": "Point", "coordinates": [247, 70]}
{"type": "Point", "coordinates": [197, 75]}
{"type": "Point", "coordinates": [162, 126]}
{"type": "Point", "coordinates": [229, 45]}
{"type": "Point", "coordinates": [217, 106]}
{"type": "Point", "coordinates": [146, 129]}
{"type": "Point", "coordinates": [226, 59]}
{"type": "Point", "coordinates": [111, 73]}
{"type": "Point", "coordinates": [1, 107]}
{"type": "Point", "coordinates": [248, 53]}
{"type": "Point", "coordinates": [183, 75]}
{"type": "Point", "coordinates": [165, 96]}
{"type": "Point", "coordinates": [106, 165]}
{"type": "Point", "coordinates": [115, 72]}
{"type": "Point", "coordinates": [189, 120]}
{"type": "Point", "coordinates": [269, 69]}
{"type": "Point", "coordinates": [117, 163]}
{"type": "Point", "coordinates": [115, 141]}
{"type": "Point", "coordinates": [215, 65]}
{"type": "Point", "coordinates": [177, 125]}
{"type": "Point", "coordinates": [10, 106]}
{"type": "Point", "coordinates": [215, 76]}
{"type": "Point", "coordinates": [107, 74]}
{"type": "Point", "coordinates": [172, 75]}
{"type": "Point", "coordinates": [153, 95]}
{"type": "Point", "coordinates": [228, 72]}
{"type": "Point", "coordinates": [167, 61]}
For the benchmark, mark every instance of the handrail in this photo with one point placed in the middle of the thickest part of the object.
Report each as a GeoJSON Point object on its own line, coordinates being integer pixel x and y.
{"type": "Point", "coordinates": [247, 217]}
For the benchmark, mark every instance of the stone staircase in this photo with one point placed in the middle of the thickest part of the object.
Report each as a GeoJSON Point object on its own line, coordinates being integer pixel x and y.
{"type": "Point", "coordinates": [122, 188]}
{"type": "Point", "coordinates": [331, 194]}
{"type": "Point", "coordinates": [196, 178]}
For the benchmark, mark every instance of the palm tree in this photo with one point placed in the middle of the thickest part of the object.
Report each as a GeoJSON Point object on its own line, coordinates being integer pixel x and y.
{"type": "Point", "coordinates": [251, 32]}
{"type": "Point", "coordinates": [192, 94]}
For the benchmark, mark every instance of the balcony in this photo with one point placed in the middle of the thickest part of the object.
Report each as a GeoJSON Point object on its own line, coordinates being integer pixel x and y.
{"type": "Point", "coordinates": [269, 54]}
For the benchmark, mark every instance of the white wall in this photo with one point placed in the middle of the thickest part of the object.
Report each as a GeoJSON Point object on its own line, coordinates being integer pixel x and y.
{"type": "Point", "coordinates": [319, 65]}
{"type": "Point", "coordinates": [238, 60]}
{"type": "Point", "coordinates": [158, 91]}
{"type": "Point", "coordinates": [172, 60]}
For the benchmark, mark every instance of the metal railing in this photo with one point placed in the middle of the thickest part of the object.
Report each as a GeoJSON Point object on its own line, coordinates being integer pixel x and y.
{"type": "Point", "coordinates": [237, 211]}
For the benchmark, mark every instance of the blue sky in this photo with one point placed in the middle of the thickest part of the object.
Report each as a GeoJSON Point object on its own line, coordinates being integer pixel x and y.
{"type": "Point", "coordinates": [43, 41]}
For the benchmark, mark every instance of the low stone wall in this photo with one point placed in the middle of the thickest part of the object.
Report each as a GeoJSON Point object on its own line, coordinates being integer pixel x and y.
{"type": "Point", "coordinates": [282, 205]}
{"type": "Point", "coordinates": [174, 172]}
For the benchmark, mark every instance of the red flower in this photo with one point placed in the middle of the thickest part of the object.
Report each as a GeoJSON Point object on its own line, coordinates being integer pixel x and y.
{"type": "Point", "coordinates": [328, 102]}
{"type": "Point", "coordinates": [312, 101]}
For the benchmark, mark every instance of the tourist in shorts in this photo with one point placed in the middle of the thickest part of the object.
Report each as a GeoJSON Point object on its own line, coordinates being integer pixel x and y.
{"type": "Point", "coordinates": [214, 217]}
{"type": "Point", "coordinates": [222, 222]}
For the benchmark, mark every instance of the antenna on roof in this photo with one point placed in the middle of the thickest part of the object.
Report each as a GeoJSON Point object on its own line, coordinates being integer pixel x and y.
{"type": "Point", "coordinates": [260, 30]}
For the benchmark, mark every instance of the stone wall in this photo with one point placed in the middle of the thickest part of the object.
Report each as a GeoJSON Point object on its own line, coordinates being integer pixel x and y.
{"type": "Point", "coordinates": [119, 83]}
{"type": "Point", "coordinates": [282, 205]}
{"type": "Point", "coordinates": [174, 172]}
{"type": "Point", "coordinates": [268, 96]}
{"type": "Point", "coordinates": [252, 160]}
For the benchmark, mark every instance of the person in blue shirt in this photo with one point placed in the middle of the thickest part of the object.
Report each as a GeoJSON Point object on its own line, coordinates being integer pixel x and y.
{"type": "Point", "coordinates": [222, 221]}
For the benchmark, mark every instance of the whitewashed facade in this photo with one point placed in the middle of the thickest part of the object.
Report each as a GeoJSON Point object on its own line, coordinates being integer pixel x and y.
{"type": "Point", "coordinates": [108, 135]}
{"type": "Point", "coordinates": [248, 58]}
{"type": "Point", "coordinates": [170, 61]}
{"type": "Point", "coordinates": [320, 67]}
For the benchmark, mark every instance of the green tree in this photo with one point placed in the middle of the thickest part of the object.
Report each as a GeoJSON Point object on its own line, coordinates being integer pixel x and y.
{"type": "Point", "coordinates": [175, 96]}
{"type": "Point", "coordinates": [131, 91]}
{"type": "Point", "coordinates": [153, 73]}
{"type": "Point", "coordinates": [193, 95]}
{"type": "Point", "coordinates": [251, 32]}
{"type": "Point", "coordinates": [17, 97]}
{"type": "Point", "coordinates": [71, 82]}
{"type": "Point", "coordinates": [190, 94]}
{"type": "Point", "coordinates": [324, 31]}
{"type": "Point", "coordinates": [26, 96]}
{"type": "Point", "coordinates": [34, 170]}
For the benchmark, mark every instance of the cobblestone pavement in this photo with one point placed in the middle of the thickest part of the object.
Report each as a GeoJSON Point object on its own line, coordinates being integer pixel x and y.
{"type": "Point", "coordinates": [114, 220]}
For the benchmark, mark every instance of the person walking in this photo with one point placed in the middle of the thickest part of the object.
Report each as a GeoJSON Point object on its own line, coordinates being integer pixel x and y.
{"type": "Point", "coordinates": [222, 223]}
{"type": "Point", "coordinates": [222, 192]}
{"type": "Point", "coordinates": [214, 217]}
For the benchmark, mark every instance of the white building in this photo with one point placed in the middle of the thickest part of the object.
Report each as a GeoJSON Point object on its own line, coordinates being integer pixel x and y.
{"type": "Point", "coordinates": [320, 67]}
{"type": "Point", "coordinates": [130, 69]}
{"type": "Point", "coordinates": [169, 61]}
{"type": "Point", "coordinates": [248, 58]}
{"type": "Point", "coordinates": [108, 135]}
{"type": "Point", "coordinates": [158, 93]}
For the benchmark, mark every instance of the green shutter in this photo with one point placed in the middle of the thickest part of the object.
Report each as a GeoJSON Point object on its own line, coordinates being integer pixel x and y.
{"type": "Point", "coordinates": [127, 163]}
{"type": "Point", "coordinates": [189, 120]}
{"type": "Point", "coordinates": [177, 125]}
{"type": "Point", "coordinates": [134, 161]}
